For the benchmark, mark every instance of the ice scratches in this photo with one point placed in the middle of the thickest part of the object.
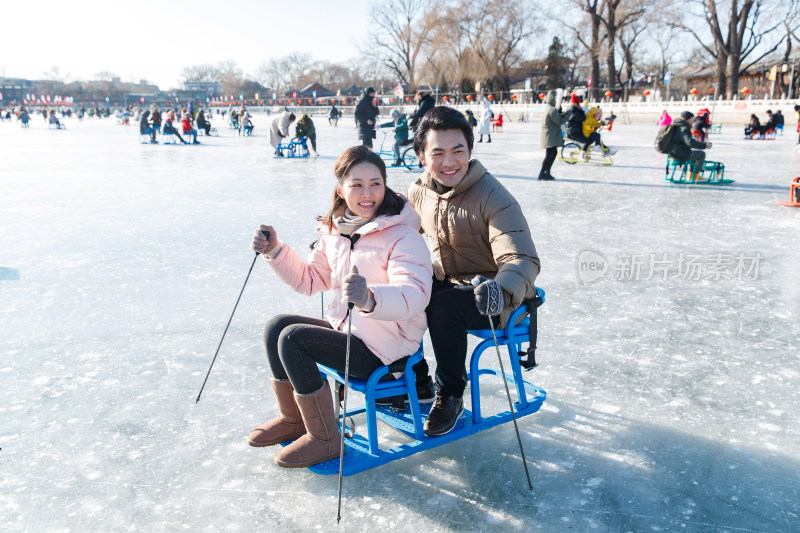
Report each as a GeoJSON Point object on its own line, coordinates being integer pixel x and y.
{"type": "Point", "coordinates": [491, 514]}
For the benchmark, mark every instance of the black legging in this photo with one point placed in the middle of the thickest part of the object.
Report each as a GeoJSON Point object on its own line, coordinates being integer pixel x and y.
{"type": "Point", "coordinates": [295, 344]}
{"type": "Point", "coordinates": [172, 130]}
{"type": "Point", "coordinates": [549, 157]}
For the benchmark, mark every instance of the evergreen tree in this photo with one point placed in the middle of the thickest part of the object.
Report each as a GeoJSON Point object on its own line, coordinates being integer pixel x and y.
{"type": "Point", "coordinates": [556, 67]}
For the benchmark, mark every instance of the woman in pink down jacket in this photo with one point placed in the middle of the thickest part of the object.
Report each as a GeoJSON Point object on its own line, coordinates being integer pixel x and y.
{"type": "Point", "coordinates": [370, 227]}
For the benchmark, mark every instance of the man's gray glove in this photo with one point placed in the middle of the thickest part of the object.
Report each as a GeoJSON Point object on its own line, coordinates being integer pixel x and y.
{"type": "Point", "coordinates": [355, 290]}
{"type": "Point", "coordinates": [489, 296]}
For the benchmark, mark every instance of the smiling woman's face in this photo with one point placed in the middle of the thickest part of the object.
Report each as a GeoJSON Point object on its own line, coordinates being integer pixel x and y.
{"type": "Point", "coordinates": [363, 189]}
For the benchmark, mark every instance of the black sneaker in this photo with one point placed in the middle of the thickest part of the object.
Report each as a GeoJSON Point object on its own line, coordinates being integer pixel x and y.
{"type": "Point", "coordinates": [425, 394]}
{"type": "Point", "coordinates": [443, 415]}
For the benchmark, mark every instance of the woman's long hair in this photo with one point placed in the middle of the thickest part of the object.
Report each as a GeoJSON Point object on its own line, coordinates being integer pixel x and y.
{"type": "Point", "coordinates": [392, 203]}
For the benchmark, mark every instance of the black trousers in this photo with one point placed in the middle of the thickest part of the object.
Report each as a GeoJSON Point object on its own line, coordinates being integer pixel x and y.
{"type": "Point", "coordinates": [451, 312]}
{"type": "Point", "coordinates": [295, 344]}
{"type": "Point", "coordinates": [549, 157]}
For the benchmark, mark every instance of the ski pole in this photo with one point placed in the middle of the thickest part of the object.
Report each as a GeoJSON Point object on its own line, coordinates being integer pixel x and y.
{"type": "Point", "coordinates": [344, 408]}
{"type": "Point", "coordinates": [266, 234]}
{"type": "Point", "coordinates": [510, 405]}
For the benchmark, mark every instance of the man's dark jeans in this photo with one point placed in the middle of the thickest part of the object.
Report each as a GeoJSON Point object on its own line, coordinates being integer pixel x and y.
{"type": "Point", "coordinates": [451, 312]}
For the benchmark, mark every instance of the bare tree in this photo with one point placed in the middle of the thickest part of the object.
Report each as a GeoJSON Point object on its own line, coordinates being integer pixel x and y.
{"type": "Point", "coordinates": [230, 76]}
{"type": "Point", "coordinates": [736, 33]}
{"type": "Point", "coordinates": [616, 16]}
{"type": "Point", "coordinates": [586, 31]}
{"type": "Point", "coordinates": [403, 33]}
{"type": "Point", "coordinates": [204, 72]}
{"type": "Point", "coordinates": [496, 29]}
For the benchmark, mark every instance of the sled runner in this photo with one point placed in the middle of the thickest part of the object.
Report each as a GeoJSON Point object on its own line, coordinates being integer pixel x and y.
{"type": "Point", "coordinates": [794, 194]}
{"type": "Point", "coordinates": [362, 452]}
{"type": "Point", "coordinates": [571, 153]}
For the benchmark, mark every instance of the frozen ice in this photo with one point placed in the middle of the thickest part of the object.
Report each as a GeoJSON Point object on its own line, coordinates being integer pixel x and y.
{"type": "Point", "coordinates": [672, 393]}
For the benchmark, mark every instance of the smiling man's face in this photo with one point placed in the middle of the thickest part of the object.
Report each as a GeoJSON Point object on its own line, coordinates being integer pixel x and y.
{"type": "Point", "coordinates": [447, 156]}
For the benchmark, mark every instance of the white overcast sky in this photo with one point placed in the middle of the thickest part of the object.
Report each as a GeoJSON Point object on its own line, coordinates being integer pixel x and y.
{"type": "Point", "coordinates": [155, 40]}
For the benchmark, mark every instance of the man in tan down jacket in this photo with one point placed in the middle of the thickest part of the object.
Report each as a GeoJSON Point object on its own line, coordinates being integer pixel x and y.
{"type": "Point", "coordinates": [485, 262]}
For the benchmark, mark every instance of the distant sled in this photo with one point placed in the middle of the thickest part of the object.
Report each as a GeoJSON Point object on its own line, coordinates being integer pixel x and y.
{"type": "Point", "coordinates": [794, 194]}
{"type": "Point", "coordinates": [362, 452]}
{"type": "Point", "coordinates": [297, 147]}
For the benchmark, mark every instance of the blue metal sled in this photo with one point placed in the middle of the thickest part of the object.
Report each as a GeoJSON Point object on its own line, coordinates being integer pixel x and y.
{"type": "Point", "coordinates": [363, 452]}
{"type": "Point", "coordinates": [296, 147]}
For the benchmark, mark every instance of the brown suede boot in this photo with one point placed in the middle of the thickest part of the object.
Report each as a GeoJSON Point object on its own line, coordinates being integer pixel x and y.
{"type": "Point", "coordinates": [322, 440]}
{"type": "Point", "coordinates": [288, 425]}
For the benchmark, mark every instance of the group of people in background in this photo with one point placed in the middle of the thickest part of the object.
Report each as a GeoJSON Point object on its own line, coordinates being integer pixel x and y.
{"type": "Point", "coordinates": [774, 122]}
{"type": "Point", "coordinates": [581, 126]}
{"type": "Point", "coordinates": [150, 123]}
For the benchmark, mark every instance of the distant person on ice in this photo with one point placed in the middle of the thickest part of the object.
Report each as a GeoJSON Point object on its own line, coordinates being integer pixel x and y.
{"type": "Point", "coordinates": [486, 122]}
{"type": "Point", "coordinates": [425, 103]}
{"type": "Point", "coordinates": [664, 119]}
{"type": "Point", "coordinates": [551, 138]}
{"type": "Point", "coordinates": [333, 116]}
{"type": "Point", "coordinates": [169, 128]}
{"type": "Point", "coordinates": [305, 128]}
{"type": "Point", "coordinates": [145, 128]}
{"type": "Point", "coordinates": [485, 262]}
{"type": "Point", "coordinates": [684, 147]}
{"type": "Point", "coordinates": [279, 129]}
{"type": "Point", "coordinates": [400, 127]}
{"type": "Point", "coordinates": [365, 114]}
{"type": "Point", "coordinates": [370, 227]}
{"type": "Point", "coordinates": [202, 121]}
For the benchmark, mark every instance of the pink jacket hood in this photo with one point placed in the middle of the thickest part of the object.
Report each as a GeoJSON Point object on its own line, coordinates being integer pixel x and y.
{"type": "Point", "coordinates": [392, 255]}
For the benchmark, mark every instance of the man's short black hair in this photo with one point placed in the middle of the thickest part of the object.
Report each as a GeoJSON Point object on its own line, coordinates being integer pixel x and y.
{"type": "Point", "coordinates": [442, 118]}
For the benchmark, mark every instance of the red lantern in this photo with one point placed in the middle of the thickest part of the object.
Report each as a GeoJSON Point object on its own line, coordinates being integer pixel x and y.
{"type": "Point", "coordinates": [541, 96]}
{"type": "Point", "coordinates": [491, 97]}
{"type": "Point", "coordinates": [513, 96]}
{"type": "Point", "coordinates": [647, 93]}
{"type": "Point", "coordinates": [469, 98]}
{"type": "Point", "coordinates": [391, 99]}
{"type": "Point", "coordinates": [693, 91]}
{"type": "Point", "coordinates": [745, 91]}
{"type": "Point", "coordinates": [609, 94]}
{"type": "Point", "coordinates": [445, 98]}
{"type": "Point", "coordinates": [408, 99]}
{"type": "Point", "coordinates": [333, 101]}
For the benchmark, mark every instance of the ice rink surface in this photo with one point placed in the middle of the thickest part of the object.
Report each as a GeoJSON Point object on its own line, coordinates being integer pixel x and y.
{"type": "Point", "coordinates": [669, 344]}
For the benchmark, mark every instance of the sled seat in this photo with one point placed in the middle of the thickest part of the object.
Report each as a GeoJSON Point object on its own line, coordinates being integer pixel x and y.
{"type": "Point", "coordinates": [684, 170]}
{"type": "Point", "coordinates": [169, 138]}
{"type": "Point", "coordinates": [518, 330]}
{"type": "Point", "coordinates": [376, 387]}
